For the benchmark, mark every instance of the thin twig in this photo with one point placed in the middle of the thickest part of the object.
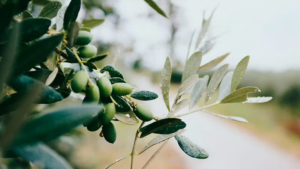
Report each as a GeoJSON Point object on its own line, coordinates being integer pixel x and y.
{"type": "Point", "coordinates": [197, 110]}
{"type": "Point", "coordinates": [118, 160]}
{"type": "Point", "coordinates": [154, 154]}
{"type": "Point", "coordinates": [134, 145]}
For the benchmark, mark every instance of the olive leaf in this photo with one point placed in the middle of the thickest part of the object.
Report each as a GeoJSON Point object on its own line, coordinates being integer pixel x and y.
{"type": "Point", "coordinates": [98, 58]}
{"type": "Point", "coordinates": [71, 13]}
{"type": "Point", "coordinates": [233, 118]}
{"type": "Point", "coordinates": [123, 105]}
{"type": "Point", "coordinates": [215, 80]}
{"type": "Point", "coordinates": [144, 95]}
{"type": "Point", "coordinates": [51, 9]}
{"type": "Point", "coordinates": [23, 84]}
{"type": "Point", "coordinates": [154, 6]}
{"type": "Point", "coordinates": [190, 148]}
{"type": "Point", "coordinates": [198, 90]}
{"type": "Point", "coordinates": [36, 53]}
{"type": "Point", "coordinates": [225, 86]}
{"type": "Point", "coordinates": [165, 81]}
{"type": "Point", "coordinates": [127, 118]}
{"type": "Point", "coordinates": [258, 99]}
{"type": "Point", "coordinates": [33, 28]}
{"type": "Point", "coordinates": [72, 34]}
{"type": "Point", "coordinates": [204, 29]}
{"type": "Point", "coordinates": [192, 65]}
{"type": "Point", "coordinates": [42, 156]}
{"type": "Point", "coordinates": [213, 63]}
{"type": "Point", "coordinates": [92, 23]}
{"type": "Point", "coordinates": [116, 80]}
{"type": "Point", "coordinates": [164, 126]}
{"type": "Point", "coordinates": [158, 139]}
{"type": "Point", "coordinates": [112, 71]}
{"type": "Point", "coordinates": [56, 123]}
{"type": "Point", "coordinates": [240, 95]}
{"type": "Point", "coordinates": [239, 72]}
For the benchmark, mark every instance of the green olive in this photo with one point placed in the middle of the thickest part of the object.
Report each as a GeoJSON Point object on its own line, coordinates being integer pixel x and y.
{"type": "Point", "coordinates": [104, 86]}
{"type": "Point", "coordinates": [84, 37]}
{"type": "Point", "coordinates": [143, 113]}
{"type": "Point", "coordinates": [109, 132]}
{"type": "Point", "coordinates": [109, 113]}
{"type": "Point", "coordinates": [87, 51]}
{"type": "Point", "coordinates": [92, 93]}
{"type": "Point", "coordinates": [94, 124]}
{"type": "Point", "coordinates": [122, 89]}
{"type": "Point", "coordinates": [79, 81]}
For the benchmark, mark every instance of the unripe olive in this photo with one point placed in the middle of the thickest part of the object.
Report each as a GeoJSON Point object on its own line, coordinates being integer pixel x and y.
{"type": "Point", "coordinates": [108, 114]}
{"type": "Point", "coordinates": [79, 81]}
{"type": "Point", "coordinates": [94, 124]}
{"type": "Point", "coordinates": [143, 113]}
{"type": "Point", "coordinates": [84, 37]}
{"type": "Point", "coordinates": [105, 86]}
{"type": "Point", "coordinates": [92, 93]}
{"type": "Point", "coordinates": [87, 51]}
{"type": "Point", "coordinates": [122, 89]}
{"type": "Point", "coordinates": [109, 132]}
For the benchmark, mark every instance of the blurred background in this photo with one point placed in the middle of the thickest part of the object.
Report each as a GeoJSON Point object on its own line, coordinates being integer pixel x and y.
{"type": "Point", "coordinates": [139, 40]}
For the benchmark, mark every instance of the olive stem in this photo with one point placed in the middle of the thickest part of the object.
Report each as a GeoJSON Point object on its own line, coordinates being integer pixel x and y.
{"type": "Point", "coordinates": [154, 154]}
{"type": "Point", "coordinates": [134, 144]}
{"type": "Point", "coordinates": [197, 110]}
{"type": "Point", "coordinates": [81, 64]}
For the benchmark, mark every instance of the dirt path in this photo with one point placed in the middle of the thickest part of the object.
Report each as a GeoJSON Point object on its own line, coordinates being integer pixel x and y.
{"type": "Point", "coordinates": [229, 147]}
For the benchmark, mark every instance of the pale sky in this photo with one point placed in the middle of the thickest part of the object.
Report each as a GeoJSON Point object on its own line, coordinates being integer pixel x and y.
{"type": "Point", "coordinates": [267, 30]}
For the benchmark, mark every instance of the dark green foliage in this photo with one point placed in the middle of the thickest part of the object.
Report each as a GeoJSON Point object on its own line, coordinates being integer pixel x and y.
{"type": "Point", "coordinates": [33, 28]}
{"type": "Point", "coordinates": [51, 9]}
{"type": "Point", "coordinates": [164, 126]}
{"type": "Point", "coordinates": [112, 71]}
{"type": "Point", "coordinates": [42, 155]}
{"type": "Point", "coordinates": [291, 97]}
{"type": "Point", "coordinates": [144, 95]}
{"type": "Point", "coordinates": [156, 7]}
{"type": "Point", "coordinates": [97, 58]}
{"type": "Point", "coordinates": [24, 84]}
{"type": "Point", "coordinates": [71, 14]}
{"type": "Point", "coordinates": [36, 53]}
{"type": "Point", "coordinates": [109, 132]}
{"type": "Point", "coordinates": [117, 80]}
{"type": "Point", "coordinates": [191, 149]}
{"type": "Point", "coordinates": [55, 124]}
{"type": "Point", "coordinates": [123, 105]}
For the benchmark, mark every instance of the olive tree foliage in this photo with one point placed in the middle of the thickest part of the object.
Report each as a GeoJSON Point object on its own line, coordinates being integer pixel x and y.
{"type": "Point", "coordinates": [46, 57]}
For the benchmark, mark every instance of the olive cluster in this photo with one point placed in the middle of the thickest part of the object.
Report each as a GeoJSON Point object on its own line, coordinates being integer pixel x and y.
{"type": "Point", "coordinates": [110, 89]}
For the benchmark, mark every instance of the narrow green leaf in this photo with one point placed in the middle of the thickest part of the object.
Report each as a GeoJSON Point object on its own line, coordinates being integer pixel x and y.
{"type": "Point", "coordinates": [98, 58]}
{"type": "Point", "coordinates": [158, 139]}
{"type": "Point", "coordinates": [123, 105]}
{"type": "Point", "coordinates": [71, 13]}
{"type": "Point", "coordinates": [36, 53]}
{"type": "Point", "coordinates": [24, 84]}
{"type": "Point", "coordinates": [213, 63]}
{"type": "Point", "coordinates": [112, 71]}
{"type": "Point", "coordinates": [190, 148]}
{"type": "Point", "coordinates": [216, 80]}
{"type": "Point", "coordinates": [240, 95]}
{"type": "Point", "coordinates": [51, 9]}
{"type": "Point", "coordinates": [204, 29]}
{"type": "Point", "coordinates": [33, 28]}
{"type": "Point", "coordinates": [72, 34]}
{"type": "Point", "coordinates": [127, 118]}
{"type": "Point", "coordinates": [56, 123]}
{"type": "Point", "coordinates": [144, 95]}
{"type": "Point", "coordinates": [154, 6]}
{"type": "Point", "coordinates": [42, 156]}
{"type": "Point", "coordinates": [116, 80]}
{"type": "Point", "coordinates": [225, 86]}
{"type": "Point", "coordinates": [26, 14]}
{"type": "Point", "coordinates": [239, 72]}
{"type": "Point", "coordinates": [92, 23]}
{"type": "Point", "coordinates": [192, 65]}
{"type": "Point", "coordinates": [258, 99]}
{"type": "Point", "coordinates": [165, 81]}
{"type": "Point", "coordinates": [198, 90]}
{"type": "Point", "coordinates": [164, 126]}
